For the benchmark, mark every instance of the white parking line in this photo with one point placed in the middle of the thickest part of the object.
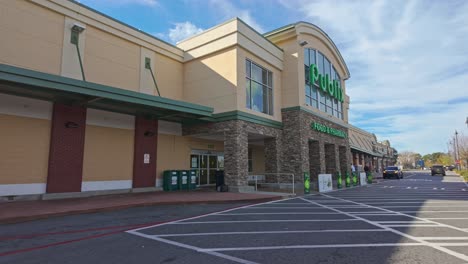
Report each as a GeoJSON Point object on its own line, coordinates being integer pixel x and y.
{"type": "Point", "coordinates": [313, 246]}
{"type": "Point", "coordinates": [445, 250]}
{"type": "Point", "coordinates": [447, 218]}
{"type": "Point", "coordinates": [444, 238]}
{"type": "Point", "coordinates": [263, 221]}
{"type": "Point", "coordinates": [271, 232]}
{"type": "Point", "coordinates": [238, 260]}
{"type": "Point", "coordinates": [402, 222]}
{"type": "Point", "coordinates": [284, 207]}
{"type": "Point", "coordinates": [423, 206]}
{"type": "Point", "coordinates": [371, 213]}
{"type": "Point", "coordinates": [416, 225]}
{"type": "Point", "coordinates": [284, 213]}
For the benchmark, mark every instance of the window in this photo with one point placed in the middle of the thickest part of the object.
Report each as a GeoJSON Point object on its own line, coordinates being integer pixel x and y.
{"type": "Point", "coordinates": [314, 96]}
{"type": "Point", "coordinates": [259, 88]}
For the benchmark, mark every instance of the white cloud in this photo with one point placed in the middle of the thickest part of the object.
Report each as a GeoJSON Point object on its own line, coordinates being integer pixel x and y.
{"type": "Point", "coordinates": [229, 10]}
{"type": "Point", "coordinates": [180, 31]}
{"type": "Point", "coordinates": [408, 64]}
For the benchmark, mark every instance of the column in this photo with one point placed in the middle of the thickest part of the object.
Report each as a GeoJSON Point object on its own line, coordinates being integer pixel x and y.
{"type": "Point", "coordinates": [66, 149]}
{"type": "Point", "coordinates": [145, 150]}
{"type": "Point", "coordinates": [236, 157]}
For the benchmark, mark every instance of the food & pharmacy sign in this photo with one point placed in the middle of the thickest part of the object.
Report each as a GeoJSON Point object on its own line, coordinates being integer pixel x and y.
{"type": "Point", "coordinates": [329, 130]}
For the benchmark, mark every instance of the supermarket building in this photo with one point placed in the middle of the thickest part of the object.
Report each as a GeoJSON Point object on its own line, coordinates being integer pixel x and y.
{"type": "Point", "coordinates": [80, 110]}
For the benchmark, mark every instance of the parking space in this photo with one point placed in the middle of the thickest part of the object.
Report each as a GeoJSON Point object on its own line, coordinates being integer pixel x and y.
{"type": "Point", "coordinates": [375, 224]}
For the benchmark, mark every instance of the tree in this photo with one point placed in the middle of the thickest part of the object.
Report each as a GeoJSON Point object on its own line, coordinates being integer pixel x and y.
{"type": "Point", "coordinates": [463, 150]}
{"type": "Point", "coordinates": [408, 159]}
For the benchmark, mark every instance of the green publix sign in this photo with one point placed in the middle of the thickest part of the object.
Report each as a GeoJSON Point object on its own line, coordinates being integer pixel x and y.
{"type": "Point", "coordinates": [328, 130]}
{"type": "Point", "coordinates": [333, 88]}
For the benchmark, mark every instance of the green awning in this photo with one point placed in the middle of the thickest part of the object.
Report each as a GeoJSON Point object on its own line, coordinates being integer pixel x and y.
{"type": "Point", "coordinates": [34, 84]}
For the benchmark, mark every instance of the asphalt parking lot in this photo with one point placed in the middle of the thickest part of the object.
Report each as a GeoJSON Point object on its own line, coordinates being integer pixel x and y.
{"type": "Point", "coordinates": [419, 219]}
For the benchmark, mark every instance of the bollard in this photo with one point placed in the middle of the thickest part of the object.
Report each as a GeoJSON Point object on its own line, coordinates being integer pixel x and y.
{"type": "Point", "coordinates": [369, 178]}
{"type": "Point", "coordinates": [348, 180]}
{"type": "Point", "coordinates": [339, 181]}
{"type": "Point", "coordinates": [355, 179]}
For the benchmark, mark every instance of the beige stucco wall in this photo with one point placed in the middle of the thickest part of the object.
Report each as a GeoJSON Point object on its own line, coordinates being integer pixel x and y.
{"type": "Point", "coordinates": [212, 80]}
{"type": "Point", "coordinates": [31, 36]}
{"type": "Point", "coordinates": [244, 54]}
{"type": "Point", "coordinates": [25, 144]}
{"type": "Point", "coordinates": [292, 89]}
{"type": "Point", "coordinates": [108, 154]}
{"type": "Point", "coordinates": [111, 60]}
{"type": "Point", "coordinates": [174, 151]}
{"type": "Point", "coordinates": [258, 159]}
{"type": "Point", "coordinates": [169, 76]}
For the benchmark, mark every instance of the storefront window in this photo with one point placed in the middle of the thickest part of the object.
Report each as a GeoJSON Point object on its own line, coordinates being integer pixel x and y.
{"type": "Point", "coordinates": [315, 97]}
{"type": "Point", "coordinates": [259, 88]}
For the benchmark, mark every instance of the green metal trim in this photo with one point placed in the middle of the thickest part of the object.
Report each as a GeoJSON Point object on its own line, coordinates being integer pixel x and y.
{"type": "Point", "coordinates": [239, 115]}
{"type": "Point", "coordinates": [301, 108]}
{"type": "Point", "coordinates": [55, 83]}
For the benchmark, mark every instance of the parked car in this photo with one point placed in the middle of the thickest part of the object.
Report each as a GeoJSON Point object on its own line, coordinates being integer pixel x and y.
{"type": "Point", "coordinates": [437, 169]}
{"type": "Point", "coordinates": [450, 167]}
{"type": "Point", "coordinates": [392, 172]}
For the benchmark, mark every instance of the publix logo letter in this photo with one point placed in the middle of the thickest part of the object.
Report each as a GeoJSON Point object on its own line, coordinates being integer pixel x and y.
{"type": "Point", "coordinates": [333, 88]}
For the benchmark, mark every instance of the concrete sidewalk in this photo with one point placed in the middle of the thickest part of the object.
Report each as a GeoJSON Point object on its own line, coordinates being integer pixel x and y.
{"type": "Point", "coordinates": [19, 211]}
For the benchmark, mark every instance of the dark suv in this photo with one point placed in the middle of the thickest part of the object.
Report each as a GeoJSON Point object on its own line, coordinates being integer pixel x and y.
{"type": "Point", "coordinates": [437, 169]}
{"type": "Point", "coordinates": [392, 172]}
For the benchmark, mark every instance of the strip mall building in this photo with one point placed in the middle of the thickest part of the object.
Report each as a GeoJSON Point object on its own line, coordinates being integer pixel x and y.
{"type": "Point", "coordinates": [88, 103]}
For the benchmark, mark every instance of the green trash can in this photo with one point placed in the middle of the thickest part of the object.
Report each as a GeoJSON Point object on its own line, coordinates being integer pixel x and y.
{"type": "Point", "coordinates": [192, 180]}
{"type": "Point", "coordinates": [183, 180]}
{"type": "Point", "coordinates": [171, 180]}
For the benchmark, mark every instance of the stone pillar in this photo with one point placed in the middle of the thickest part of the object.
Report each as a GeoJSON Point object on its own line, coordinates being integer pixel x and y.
{"type": "Point", "coordinates": [272, 155]}
{"type": "Point", "coordinates": [330, 158]}
{"type": "Point", "coordinates": [236, 157]}
{"type": "Point", "coordinates": [345, 165]}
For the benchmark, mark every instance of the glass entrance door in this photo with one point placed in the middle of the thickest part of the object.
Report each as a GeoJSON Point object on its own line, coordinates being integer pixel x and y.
{"type": "Point", "coordinates": [206, 166]}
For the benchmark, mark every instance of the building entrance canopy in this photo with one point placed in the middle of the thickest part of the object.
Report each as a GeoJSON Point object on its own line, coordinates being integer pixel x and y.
{"type": "Point", "coordinates": [28, 83]}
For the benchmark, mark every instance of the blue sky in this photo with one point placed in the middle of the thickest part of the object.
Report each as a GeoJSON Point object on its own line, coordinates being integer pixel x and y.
{"type": "Point", "coordinates": [408, 59]}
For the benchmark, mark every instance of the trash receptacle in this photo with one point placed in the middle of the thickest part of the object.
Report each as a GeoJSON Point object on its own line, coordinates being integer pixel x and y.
{"type": "Point", "coordinates": [220, 186]}
{"type": "Point", "coordinates": [171, 179]}
{"type": "Point", "coordinates": [183, 180]}
{"type": "Point", "coordinates": [192, 180]}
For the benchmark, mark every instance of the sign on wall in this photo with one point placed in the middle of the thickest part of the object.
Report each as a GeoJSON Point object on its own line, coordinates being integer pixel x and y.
{"type": "Point", "coordinates": [325, 182]}
{"type": "Point", "coordinates": [306, 183]}
{"type": "Point", "coordinates": [328, 130]}
{"type": "Point", "coordinates": [363, 178]}
{"type": "Point", "coordinates": [332, 87]}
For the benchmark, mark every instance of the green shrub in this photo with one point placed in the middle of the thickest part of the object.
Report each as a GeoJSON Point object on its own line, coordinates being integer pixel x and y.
{"type": "Point", "coordinates": [464, 173]}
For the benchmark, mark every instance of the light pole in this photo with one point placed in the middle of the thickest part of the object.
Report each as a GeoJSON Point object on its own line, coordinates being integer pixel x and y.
{"type": "Point", "coordinates": [457, 152]}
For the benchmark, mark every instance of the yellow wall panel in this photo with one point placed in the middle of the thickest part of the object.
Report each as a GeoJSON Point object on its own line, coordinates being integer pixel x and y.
{"type": "Point", "coordinates": [31, 36]}
{"type": "Point", "coordinates": [111, 60]}
{"type": "Point", "coordinates": [24, 154]}
{"type": "Point", "coordinates": [169, 76]}
{"type": "Point", "coordinates": [212, 80]}
{"type": "Point", "coordinates": [108, 154]}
